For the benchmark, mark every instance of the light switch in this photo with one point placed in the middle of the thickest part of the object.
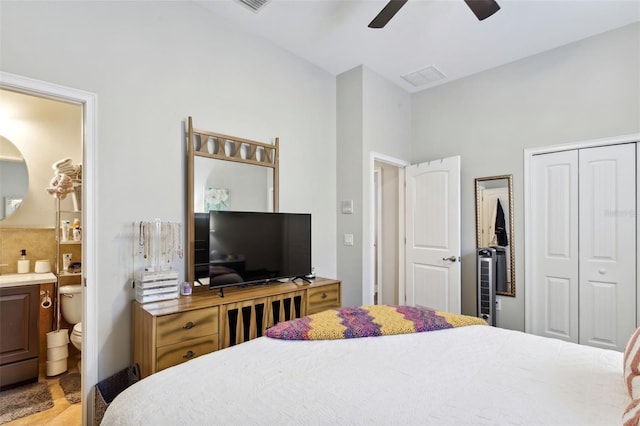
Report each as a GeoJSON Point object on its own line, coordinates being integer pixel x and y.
{"type": "Point", "coordinates": [348, 239]}
{"type": "Point", "coordinates": [347, 206]}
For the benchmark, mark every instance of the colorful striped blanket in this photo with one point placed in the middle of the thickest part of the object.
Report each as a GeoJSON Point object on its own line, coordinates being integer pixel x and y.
{"type": "Point", "coordinates": [368, 321]}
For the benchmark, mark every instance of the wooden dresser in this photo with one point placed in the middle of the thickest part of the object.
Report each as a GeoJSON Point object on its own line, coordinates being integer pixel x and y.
{"type": "Point", "coordinates": [170, 332]}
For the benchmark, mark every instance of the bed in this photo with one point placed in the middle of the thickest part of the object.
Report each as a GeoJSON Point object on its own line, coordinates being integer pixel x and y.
{"type": "Point", "coordinates": [467, 375]}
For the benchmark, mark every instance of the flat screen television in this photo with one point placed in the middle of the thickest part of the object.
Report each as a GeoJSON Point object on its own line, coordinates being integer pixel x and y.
{"type": "Point", "coordinates": [251, 247]}
{"type": "Point", "coordinates": [201, 246]}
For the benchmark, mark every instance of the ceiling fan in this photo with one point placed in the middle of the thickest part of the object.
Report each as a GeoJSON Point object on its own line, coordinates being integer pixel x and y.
{"type": "Point", "coordinates": [481, 8]}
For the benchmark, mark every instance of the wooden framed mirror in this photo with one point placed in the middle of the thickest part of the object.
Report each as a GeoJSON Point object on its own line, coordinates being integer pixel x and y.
{"type": "Point", "coordinates": [227, 173]}
{"type": "Point", "coordinates": [494, 222]}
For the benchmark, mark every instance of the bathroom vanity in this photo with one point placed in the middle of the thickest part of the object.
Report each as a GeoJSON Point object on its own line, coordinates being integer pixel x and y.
{"type": "Point", "coordinates": [19, 326]}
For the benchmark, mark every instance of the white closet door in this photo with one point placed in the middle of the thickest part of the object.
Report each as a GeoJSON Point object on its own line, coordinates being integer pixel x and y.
{"type": "Point", "coordinates": [555, 247]}
{"type": "Point", "coordinates": [607, 245]}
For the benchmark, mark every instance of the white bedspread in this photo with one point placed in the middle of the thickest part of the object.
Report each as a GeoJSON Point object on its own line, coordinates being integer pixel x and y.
{"type": "Point", "coordinates": [474, 375]}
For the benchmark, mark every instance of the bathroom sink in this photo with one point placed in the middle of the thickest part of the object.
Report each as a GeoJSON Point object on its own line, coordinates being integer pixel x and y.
{"type": "Point", "coordinates": [14, 280]}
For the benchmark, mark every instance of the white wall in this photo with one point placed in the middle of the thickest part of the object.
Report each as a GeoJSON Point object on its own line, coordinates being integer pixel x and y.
{"type": "Point", "coordinates": [152, 64]}
{"type": "Point", "coordinates": [585, 90]}
{"type": "Point", "coordinates": [350, 187]}
{"type": "Point", "coordinates": [373, 116]}
{"type": "Point", "coordinates": [45, 131]}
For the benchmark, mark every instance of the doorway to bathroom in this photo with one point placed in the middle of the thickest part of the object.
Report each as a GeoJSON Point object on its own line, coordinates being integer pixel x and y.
{"type": "Point", "coordinates": [386, 241]}
{"type": "Point", "coordinates": [19, 117]}
{"type": "Point", "coordinates": [386, 231]}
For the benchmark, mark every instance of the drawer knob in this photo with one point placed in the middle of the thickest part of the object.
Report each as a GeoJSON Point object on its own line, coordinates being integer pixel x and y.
{"type": "Point", "coordinates": [324, 296]}
{"type": "Point", "coordinates": [188, 355]}
{"type": "Point", "coordinates": [189, 325]}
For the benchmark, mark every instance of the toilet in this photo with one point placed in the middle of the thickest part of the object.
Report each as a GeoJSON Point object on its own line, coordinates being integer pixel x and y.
{"type": "Point", "coordinates": [71, 307]}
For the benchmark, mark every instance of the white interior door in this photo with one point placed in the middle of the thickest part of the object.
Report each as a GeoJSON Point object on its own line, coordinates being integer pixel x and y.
{"type": "Point", "coordinates": [555, 257]}
{"type": "Point", "coordinates": [433, 234]}
{"type": "Point", "coordinates": [607, 246]}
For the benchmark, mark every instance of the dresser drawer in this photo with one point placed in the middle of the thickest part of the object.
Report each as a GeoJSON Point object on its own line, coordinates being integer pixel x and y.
{"type": "Point", "coordinates": [186, 325]}
{"type": "Point", "coordinates": [178, 353]}
{"type": "Point", "coordinates": [322, 298]}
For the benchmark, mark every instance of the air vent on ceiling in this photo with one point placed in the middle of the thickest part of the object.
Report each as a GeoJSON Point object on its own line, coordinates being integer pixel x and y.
{"type": "Point", "coordinates": [424, 76]}
{"type": "Point", "coordinates": [254, 5]}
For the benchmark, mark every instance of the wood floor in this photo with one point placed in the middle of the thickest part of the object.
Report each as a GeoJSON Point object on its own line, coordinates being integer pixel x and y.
{"type": "Point", "coordinates": [63, 413]}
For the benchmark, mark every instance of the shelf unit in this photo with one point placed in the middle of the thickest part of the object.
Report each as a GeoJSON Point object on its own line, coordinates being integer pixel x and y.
{"type": "Point", "coordinates": [67, 209]}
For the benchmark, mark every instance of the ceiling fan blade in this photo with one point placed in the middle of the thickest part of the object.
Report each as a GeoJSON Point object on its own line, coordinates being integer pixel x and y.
{"type": "Point", "coordinates": [387, 13]}
{"type": "Point", "coordinates": [482, 8]}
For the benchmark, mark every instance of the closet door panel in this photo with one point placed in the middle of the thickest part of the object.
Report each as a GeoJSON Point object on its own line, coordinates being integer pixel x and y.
{"type": "Point", "coordinates": [555, 250]}
{"type": "Point", "coordinates": [559, 311]}
{"type": "Point", "coordinates": [607, 245]}
{"type": "Point", "coordinates": [598, 320]}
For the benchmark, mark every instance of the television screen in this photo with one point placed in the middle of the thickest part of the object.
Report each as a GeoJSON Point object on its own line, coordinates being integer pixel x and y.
{"type": "Point", "coordinates": [201, 245]}
{"type": "Point", "coordinates": [250, 247]}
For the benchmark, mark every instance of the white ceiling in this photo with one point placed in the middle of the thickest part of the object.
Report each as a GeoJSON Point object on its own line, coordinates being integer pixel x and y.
{"type": "Point", "coordinates": [333, 34]}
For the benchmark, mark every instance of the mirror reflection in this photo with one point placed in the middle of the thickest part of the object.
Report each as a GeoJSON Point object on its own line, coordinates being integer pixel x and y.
{"type": "Point", "coordinates": [494, 223]}
{"type": "Point", "coordinates": [14, 177]}
{"type": "Point", "coordinates": [228, 185]}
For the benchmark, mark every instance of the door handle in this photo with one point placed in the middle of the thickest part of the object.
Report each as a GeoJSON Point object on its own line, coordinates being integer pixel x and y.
{"type": "Point", "coordinates": [450, 258]}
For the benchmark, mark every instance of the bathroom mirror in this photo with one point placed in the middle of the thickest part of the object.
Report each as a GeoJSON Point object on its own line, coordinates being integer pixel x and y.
{"type": "Point", "coordinates": [494, 222]}
{"type": "Point", "coordinates": [227, 173]}
{"type": "Point", "coordinates": [14, 177]}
